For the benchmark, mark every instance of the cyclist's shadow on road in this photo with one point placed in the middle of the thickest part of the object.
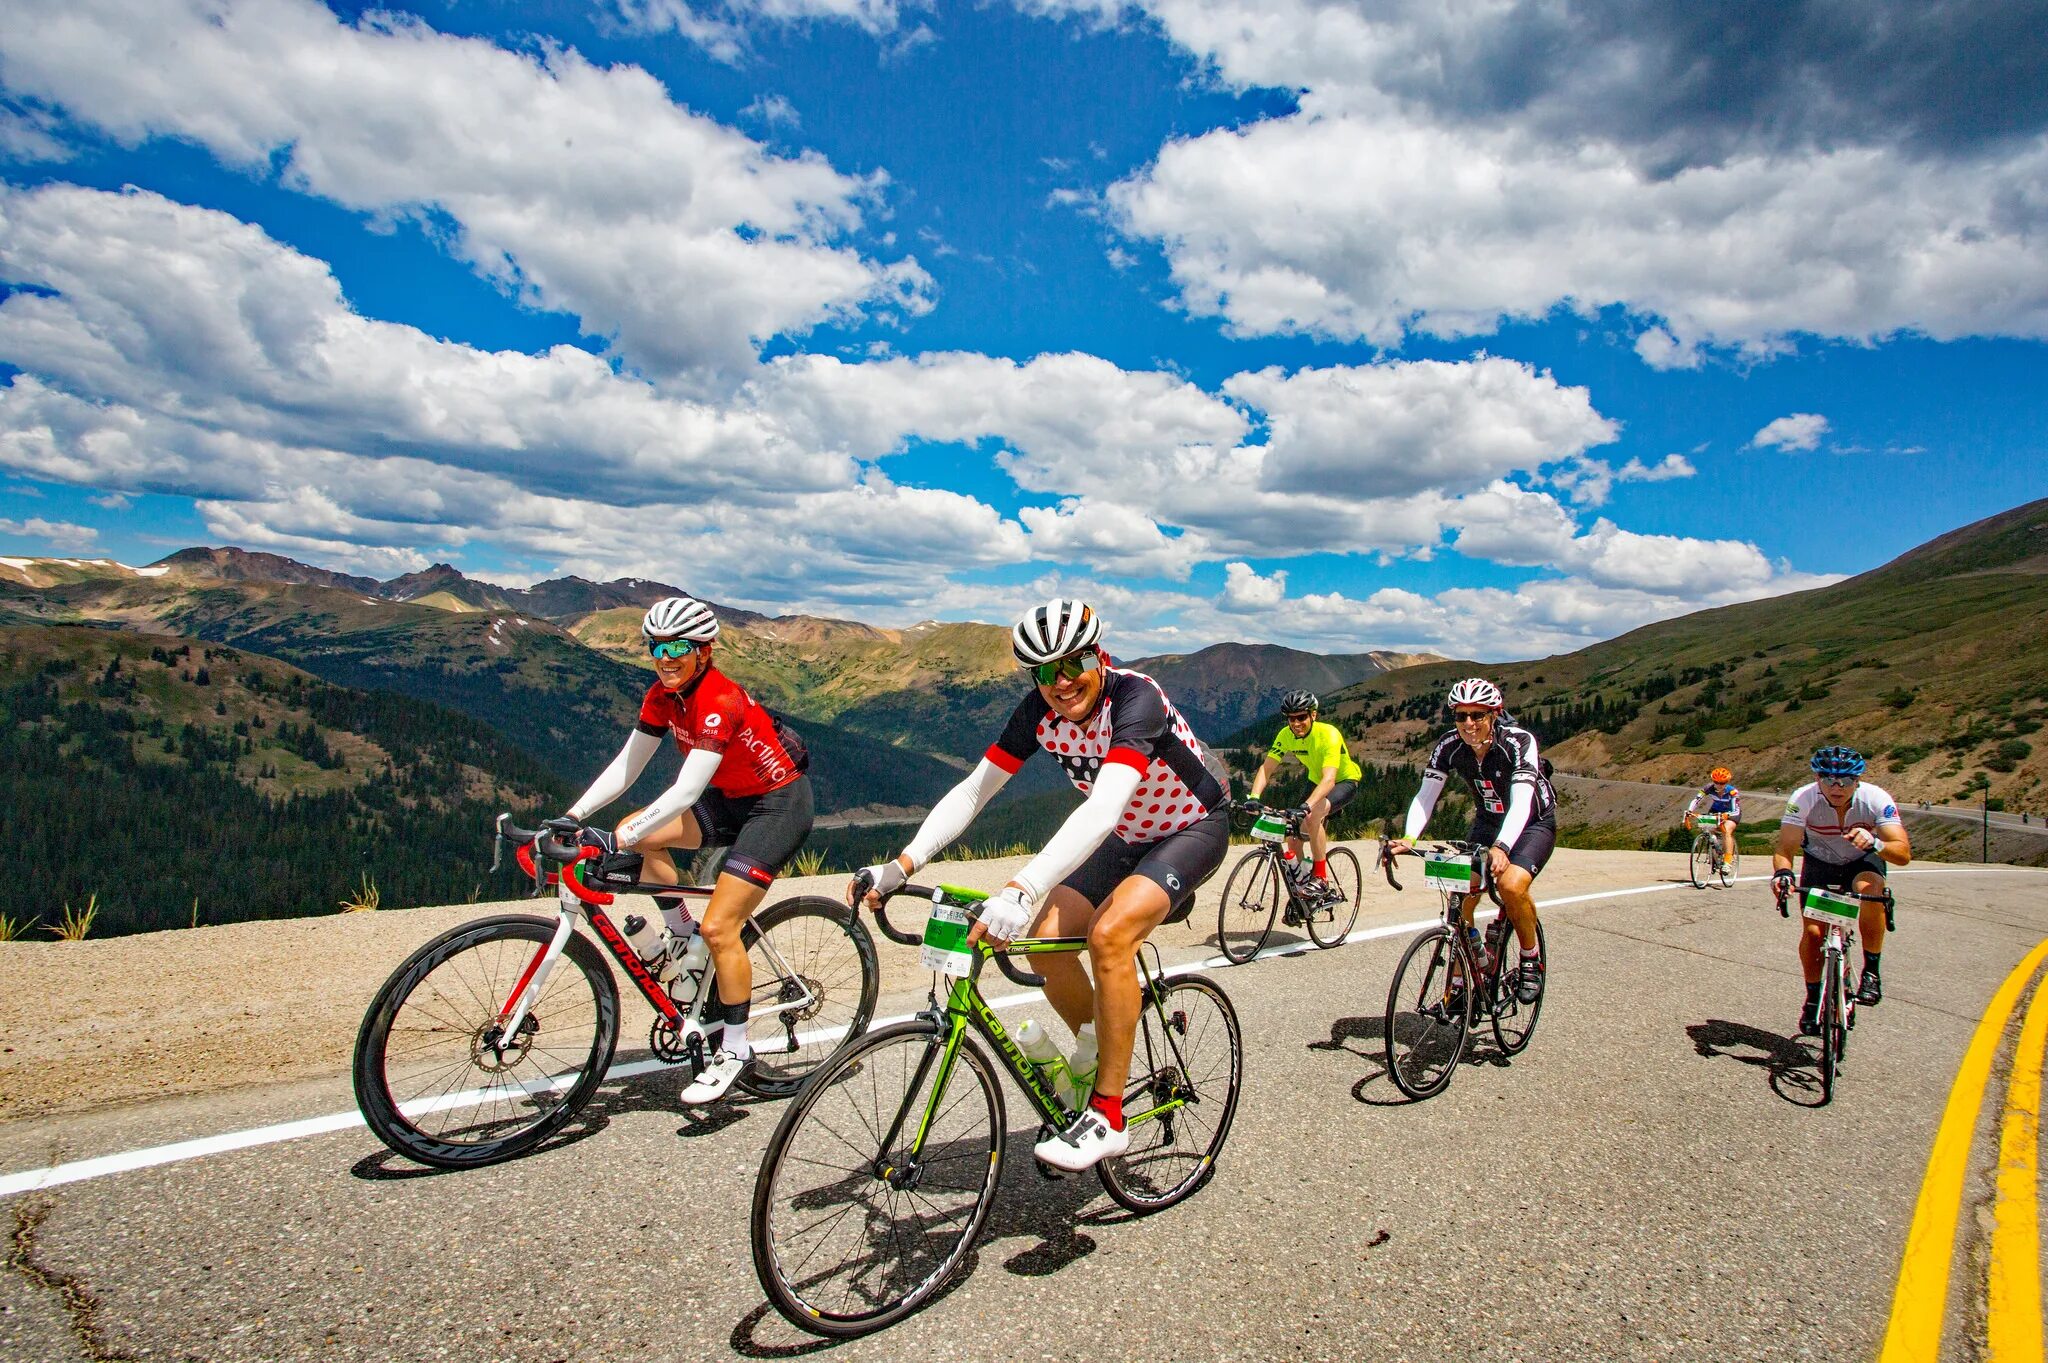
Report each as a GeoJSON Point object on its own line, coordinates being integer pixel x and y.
{"type": "Point", "coordinates": [656, 1091]}
{"type": "Point", "coordinates": [1366, 1038]}
{"type": "Point", "coordinates": [1794, 1075]}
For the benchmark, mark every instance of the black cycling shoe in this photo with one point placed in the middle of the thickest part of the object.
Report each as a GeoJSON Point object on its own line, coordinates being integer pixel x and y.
{"type": "Point", "coordinates": [1870, 992]}
{"type": "Point", "coordinates": [1529, 980]}
{"type": "Point", "coordinates": [1809, 1020]}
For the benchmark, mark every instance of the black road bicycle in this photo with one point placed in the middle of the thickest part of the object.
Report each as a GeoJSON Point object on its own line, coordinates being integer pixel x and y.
{"type": "Point", "coordinates": [1433, 1000]}
{"type": "Point", "coordinates": [489, 1038]}
{"type": "Point", "coordinates": [1260, 882]}
{"type": "Point", "coordinates": [1837, 913]}
{"type": "Point", "coordinates": [880, 1175]}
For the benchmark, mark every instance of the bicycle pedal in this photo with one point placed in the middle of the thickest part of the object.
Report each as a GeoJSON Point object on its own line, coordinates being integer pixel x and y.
{"type": "Point", "coordinates": [1048, 1173]}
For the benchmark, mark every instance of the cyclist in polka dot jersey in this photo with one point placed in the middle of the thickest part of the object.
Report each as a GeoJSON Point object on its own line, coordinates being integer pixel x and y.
{"type": "Point", "coordinates": [1153, 827]}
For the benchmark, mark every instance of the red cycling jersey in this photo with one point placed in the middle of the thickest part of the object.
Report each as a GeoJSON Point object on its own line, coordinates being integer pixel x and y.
{"type": "Point", "coordinates": [715, 714]}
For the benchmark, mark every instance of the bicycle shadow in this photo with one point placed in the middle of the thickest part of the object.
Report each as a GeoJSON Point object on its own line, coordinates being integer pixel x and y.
{"type": "Point", "coordinates": [1793, 1069]}
{"type": "Point", "coordinates": [655, 1091]}
{"type": "Point", "coordinates": [1366, 1038]}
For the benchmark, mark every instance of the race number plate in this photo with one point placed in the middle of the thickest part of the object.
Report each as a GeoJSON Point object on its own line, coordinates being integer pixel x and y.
{"type": "Point", "coordinates": [1824, 906]}
{"type": "Point", "coordinates": [1710, 821]}
{"type": "Point", "coordinates": [1269, 828]}
{"type": "Point", "coordinates": [945, 941]}
{"type": "Point", "coordinates": [1446, 872]}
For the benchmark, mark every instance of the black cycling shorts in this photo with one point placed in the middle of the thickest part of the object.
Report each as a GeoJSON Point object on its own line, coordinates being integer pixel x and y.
{"type": "Point", "coordinates": [1178, 863]}
{"type": "Point", "coordinates": [1817, 874]}
{"type": "Point", "coordinates": [1531, 851]}
{"type": "Point", "coordinates": [1341, 794]}
{"type": "Point", "coordinates": [764, 831]}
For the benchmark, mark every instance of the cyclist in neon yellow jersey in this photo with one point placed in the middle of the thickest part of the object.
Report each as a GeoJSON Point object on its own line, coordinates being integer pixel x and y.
{"type": "Point", "coordinates": [1321, 750]}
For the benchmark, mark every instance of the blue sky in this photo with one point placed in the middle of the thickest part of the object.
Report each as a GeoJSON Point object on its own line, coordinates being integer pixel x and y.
{"type": "Point", "coordinates": [1494, 329]}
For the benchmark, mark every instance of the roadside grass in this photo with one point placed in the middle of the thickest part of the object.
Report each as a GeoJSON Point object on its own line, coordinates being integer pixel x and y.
{"type": "Point", "coordinates": [13, 929]}
{"type": "Point", "coordinates": [809, 862]}
{"type": "Point", "coordinates": [73, 924]}
{"type": "Point", "coordinates": [365, 898]}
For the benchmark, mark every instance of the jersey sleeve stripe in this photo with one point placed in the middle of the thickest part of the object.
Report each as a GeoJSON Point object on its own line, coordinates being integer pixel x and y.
{"type": "Point", "coordinates": [1007, 762]}
{"type": "Point", "coordinates": [1129, 757]}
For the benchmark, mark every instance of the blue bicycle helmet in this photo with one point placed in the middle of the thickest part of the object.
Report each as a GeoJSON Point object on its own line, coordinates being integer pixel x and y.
{"type": "Point", "coordinates": [1837, 761]}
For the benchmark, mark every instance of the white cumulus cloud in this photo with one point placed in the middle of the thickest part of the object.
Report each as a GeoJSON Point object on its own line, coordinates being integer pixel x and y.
{"type": "Point", "coordinates": [1799, 431]}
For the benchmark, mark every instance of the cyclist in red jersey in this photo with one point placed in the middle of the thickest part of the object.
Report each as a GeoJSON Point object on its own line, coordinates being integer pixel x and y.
{"type": "Point", "coordinates": [742, 784]}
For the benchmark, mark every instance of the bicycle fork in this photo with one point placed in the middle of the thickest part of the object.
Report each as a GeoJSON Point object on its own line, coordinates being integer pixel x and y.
{"type": "Point", "coordinates": [518, 1004]}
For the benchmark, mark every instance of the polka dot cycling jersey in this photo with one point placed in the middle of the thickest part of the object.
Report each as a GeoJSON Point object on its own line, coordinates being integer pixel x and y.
{"type": "Point", "coordinates": [1133, 724]}
{"type": "Point", "coordinates": [715, 714]}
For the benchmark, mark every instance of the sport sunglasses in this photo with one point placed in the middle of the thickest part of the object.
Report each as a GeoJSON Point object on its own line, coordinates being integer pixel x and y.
{"type": "Point", "coordinates": [673, 648]}
{"type": "Point", "coordinates": [1072, 667]}
{"type": "Point", "coordinates": [1297, 718]}
{"type": "Point", "coordinates": [1471, 716]}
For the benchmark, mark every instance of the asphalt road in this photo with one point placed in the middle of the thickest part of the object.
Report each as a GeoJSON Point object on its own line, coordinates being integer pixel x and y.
{"type": "Point", "coordinates": [1649, 1180]}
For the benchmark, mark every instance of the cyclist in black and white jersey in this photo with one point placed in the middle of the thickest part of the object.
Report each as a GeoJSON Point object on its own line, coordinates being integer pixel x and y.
{"type": "Point", "coordinates": [1516, 808]}
{"type": "Point", "coordinates": [1154, 826]}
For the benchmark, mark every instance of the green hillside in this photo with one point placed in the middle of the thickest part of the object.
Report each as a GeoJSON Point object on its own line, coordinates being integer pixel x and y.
{"type": "Point", "coordinates": [1931, 665]}
{"type": "Point", "coordinates": [566, 705]}
{"type": "Point", "coordinates": [158, 774]}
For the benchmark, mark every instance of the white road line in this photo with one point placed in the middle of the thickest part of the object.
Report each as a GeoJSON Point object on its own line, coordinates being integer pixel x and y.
{"type": "Point", "coordinates": [31, 1180]}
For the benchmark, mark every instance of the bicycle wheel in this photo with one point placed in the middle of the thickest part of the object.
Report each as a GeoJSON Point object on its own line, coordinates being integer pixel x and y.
{"type": "Point", "coordinates": [1428, 1020]}
{"type": "Point", "coordinates": [812, 952]}
{"type": "Point", "coordinates": [1701, 862]}
{"type": "Point", "coordinates": [1330, 922]}
{"type": "Point", "coordinates": [848, 1236]}
{"type": "Point", "coordinates": [1514, 1020]}
{"type": "Point", "coordinates": [434, 1081]}
{"type": "Point", "coordinates": [1251, 899]}
{"type": "Point", "coordinates": [1831, 1033]}
{"type": "Point", "coordinates": [1729, 867]}
{"type": "Point", "coordinates": [1191, 1052]}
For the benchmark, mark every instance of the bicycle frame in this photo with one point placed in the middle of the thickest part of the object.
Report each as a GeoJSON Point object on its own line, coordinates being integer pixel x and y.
{"type": "Point", "coordinates": [965, 1008]}
{"type": "Point", "coordinates": [574, 898]}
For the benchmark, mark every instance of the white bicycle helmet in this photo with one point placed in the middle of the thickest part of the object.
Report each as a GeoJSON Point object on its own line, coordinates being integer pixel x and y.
{"type": "Point", "coordinates": [679, 617]}
{"type": "Point", "coordinates": [1477, 691]}
{"type": "Point", "coordinates": [1054, 630]}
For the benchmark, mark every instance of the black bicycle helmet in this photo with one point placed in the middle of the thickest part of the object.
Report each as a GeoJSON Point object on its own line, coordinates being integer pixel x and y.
{"type": "Point", "coordinates": [1298, 701]}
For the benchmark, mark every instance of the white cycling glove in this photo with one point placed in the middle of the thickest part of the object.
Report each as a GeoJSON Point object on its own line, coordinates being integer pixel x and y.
{"type": "Point", "coordinates": [886, 877]}
{"type": "Point", "coordinates": [1005, 914]}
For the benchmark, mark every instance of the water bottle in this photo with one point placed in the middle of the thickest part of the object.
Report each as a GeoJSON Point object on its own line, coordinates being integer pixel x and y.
{"type": "Point", "coordinates": [1079, 1080]}
{"type": "Point", "coordinates": [689, 954]}
{"type": "Point", "coordinates": [1295, 866]}
{"type": "Point", "coordinates": [1043, 1053]}
{"type": "Point", "coordinates": [645, 936]}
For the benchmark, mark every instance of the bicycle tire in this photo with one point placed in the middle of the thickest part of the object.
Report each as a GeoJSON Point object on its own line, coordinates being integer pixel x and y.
{"type": "Point", "coordinates": [1701, 863]}
{"type": "Point", "coordinates": [1438, 1042]}
{"type": "Point", "coordinates": [1349, 880]}
{"type": "Point", "coordinates": [1250, 896]}
{"type": "Point", "coordinates": [1830, 1029]}
{"type": "Point", "coordinates": [826, 944]}
{"type": "Point", "coordinates": [1513, 1020]}
{"type": "Point", "coordinates": [1730, 867]}
{"type": "Point", "coordinates": [1202, 1062]}
{"type": "Point", "coordinates": [883, 1065]}
{"type": "Point", "coordinates": [397, 1105]}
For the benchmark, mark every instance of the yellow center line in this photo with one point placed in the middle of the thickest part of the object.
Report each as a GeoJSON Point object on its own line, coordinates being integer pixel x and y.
{"type": "Point", "coordinates": [2013, 1330]}
{"type": "Point", "coordinates": [1921, 1298]}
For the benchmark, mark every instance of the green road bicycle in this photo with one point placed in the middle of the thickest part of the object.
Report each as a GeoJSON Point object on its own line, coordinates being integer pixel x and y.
{"type": "Point", "coordinates": [1837, 914]}
{"type": "Point", "coordinates": [1260, 880]}
{"type": "Point", "coordinates": [881, 1173]}
{"type": "Point", "coordinates": [1709, 866]}
{"type": "Point", "coordinates": [1430, 1009]}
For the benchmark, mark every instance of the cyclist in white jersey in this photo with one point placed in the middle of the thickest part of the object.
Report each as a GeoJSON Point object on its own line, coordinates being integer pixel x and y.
{"type": "Point", "coordinates": [1154, 826]}
{"type": "Point", "coordinates": [1849, 831]}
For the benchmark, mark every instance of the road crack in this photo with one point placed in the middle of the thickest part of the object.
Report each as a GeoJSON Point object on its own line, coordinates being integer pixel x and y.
{"type": "Point", "coordinates": [81, 1306]}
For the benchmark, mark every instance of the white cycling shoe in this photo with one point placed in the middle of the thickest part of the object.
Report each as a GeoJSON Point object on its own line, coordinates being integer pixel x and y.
{"type": "Point", "coordinates": [1086, 1142]}
{"type": "Point", "coordinates": [714, 1079]}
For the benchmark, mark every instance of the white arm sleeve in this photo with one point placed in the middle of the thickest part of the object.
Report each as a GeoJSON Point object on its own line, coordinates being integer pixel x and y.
{"type": "Point", "coordinates": [698, 769]}
{"type": "Point", "coordinates": [1521, 793]}
{"type": "Point", "coordinates": [1424, 804]}
{"type": "Point", "coordinates": [616, 779]}
{"type": "Point", "coordinates": [1082, 833]}
{"type": "Point", "coordinates": [954, 811]}
{"type": "Point", "coordinates": [1521, 799]}
{"type": "Point", "coordinates": [1694, 803]}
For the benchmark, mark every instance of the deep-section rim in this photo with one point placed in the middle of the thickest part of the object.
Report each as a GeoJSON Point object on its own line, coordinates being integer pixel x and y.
{"type": "Point", "coordinates": [836, 1071]}
{"type": "Point", "coordinates": [382, 1110]}
{"type": "Point", "coordinates": [1255, 859]}
{"type": "Point", "coordinates": [1115, 1173]}
{"type": "Point", "coordinates": [1442, 937]}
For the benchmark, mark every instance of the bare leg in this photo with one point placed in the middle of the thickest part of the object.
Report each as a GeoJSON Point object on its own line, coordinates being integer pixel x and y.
{"type": "Point", "coordinates": [1133, 909]}
{"type": "Point", "coordinates": [1067, 988]}
{"type": "Point", "coordinates": [1514, 885]}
